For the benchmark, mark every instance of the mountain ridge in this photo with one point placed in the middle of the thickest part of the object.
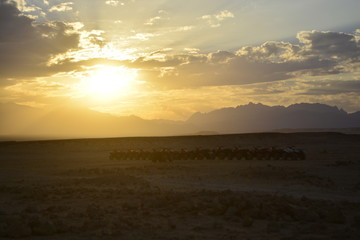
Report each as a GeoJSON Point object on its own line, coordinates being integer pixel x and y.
{"type": "Point", "coordinates": [73, 122]}
{"type": "Point", "coordinates": [258, 117]}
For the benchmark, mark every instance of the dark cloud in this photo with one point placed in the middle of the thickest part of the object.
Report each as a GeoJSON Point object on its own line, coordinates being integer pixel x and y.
{"type": "Point", "coordinates": [26, 47]}
{"type": "Point", "coordinates": [14, 27]}
{"type": "Point", "coordinates": [271, 61]}
{"type": "Point", "coordinates": [337, 45]}
{"type": "Point", "coordinates": [318, 54]}
{"type": "Point", "coordinates": [221, 57]}
{"type": "Point", "coordinates": [331, 87]}
{"type": "Point", "coordinates": [225, 68]}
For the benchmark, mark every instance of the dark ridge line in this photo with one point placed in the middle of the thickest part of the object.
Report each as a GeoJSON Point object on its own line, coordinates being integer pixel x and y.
{"type": "Point", "coordinates": [181, 137]}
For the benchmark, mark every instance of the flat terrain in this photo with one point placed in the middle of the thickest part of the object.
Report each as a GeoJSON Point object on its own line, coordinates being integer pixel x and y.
{"type": "Point", "coordinates": [70, 189]}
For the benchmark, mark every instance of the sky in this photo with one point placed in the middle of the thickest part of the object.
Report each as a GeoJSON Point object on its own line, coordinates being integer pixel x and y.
{"type": "Point", "coordinates": [167, 59]}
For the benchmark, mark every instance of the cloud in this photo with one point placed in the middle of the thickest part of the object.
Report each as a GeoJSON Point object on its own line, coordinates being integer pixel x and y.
{"type": "Point", "coordinates": [26, 47]}
{"type": "Point", "coordinates": [153, 20]}
{"type": "Point", "coordinates": [62, 7]}
{"type": "Point", "coordinates": [317, 54]}
{"type": "Point", "coordinates": [324, 45]}
{"type": "Point", "coordinates": [268, 62]}
{"type": "Point", "coordinates": [216, 19]}
{"type": "Point", "coordinates": [223, 15]}
{"type": "Point", "coordinates": [272, 52]}
{"type": "Point", "coordinates": [163, 15]}
{"type": "Point", "coordinates": [29, 46]}
{"type": "Point", "coordinates": [183, 28]}
{"type": "Point", "coordinates": [335, 45]}
{"type": "Point", "coordinates": [330, 87]}
{"type": "Point", "coordinates": [221, 57]}
{"type": "Point", "coordinates": [142, 36]}
{"type": "Point", "coordinates": [31, 9]}
{"type": "Point", "coordinates": [224, 68]}
{"type": "Point", "coordinates": [114, 3]}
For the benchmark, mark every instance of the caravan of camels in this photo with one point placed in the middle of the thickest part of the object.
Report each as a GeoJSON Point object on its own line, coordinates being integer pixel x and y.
{"type": "Point", "coordinates": [168, 155]}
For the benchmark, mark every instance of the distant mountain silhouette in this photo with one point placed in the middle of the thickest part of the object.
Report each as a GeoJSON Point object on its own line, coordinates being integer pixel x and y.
{"type": "Point", "coordinates": [68, 122]}
{"type": "Point", "coordinates": [258, 118]}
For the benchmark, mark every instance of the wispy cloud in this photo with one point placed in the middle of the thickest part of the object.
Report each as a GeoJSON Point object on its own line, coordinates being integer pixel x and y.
{"type": "Point", "coordinates": [163, 15]}
{"type": "Point", "coordinates": [142, 36]}
{"type": "Point", "coordinates": [62, 7]}
{"type": "Point", "coordinates": [216, 19]}
{"type": "Point", "coordinates": [114, 3]}
{"type": "Point", "coordinates": [153, 20]}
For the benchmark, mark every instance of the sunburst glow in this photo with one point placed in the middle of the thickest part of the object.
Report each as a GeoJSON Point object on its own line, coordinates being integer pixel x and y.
{"type": "Point", "coordinates": [108, 82]}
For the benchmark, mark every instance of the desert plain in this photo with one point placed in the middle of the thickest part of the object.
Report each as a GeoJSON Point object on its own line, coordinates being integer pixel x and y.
{"type": "Point", "coordinates": [70, 189]}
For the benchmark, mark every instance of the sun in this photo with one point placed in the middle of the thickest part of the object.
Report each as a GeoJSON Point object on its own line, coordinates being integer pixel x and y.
{"type": "Point", "coordinates": [108, 81]}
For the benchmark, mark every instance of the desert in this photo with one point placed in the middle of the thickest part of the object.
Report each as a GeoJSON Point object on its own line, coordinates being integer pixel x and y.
{"type": "Point", "coordinates": [181, 120]}
{"type": "Point", "coordinates": [71, 189]}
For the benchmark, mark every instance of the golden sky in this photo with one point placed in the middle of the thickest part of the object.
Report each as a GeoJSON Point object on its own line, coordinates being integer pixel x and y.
{"type": "Point", "coordinates": [170, 58]}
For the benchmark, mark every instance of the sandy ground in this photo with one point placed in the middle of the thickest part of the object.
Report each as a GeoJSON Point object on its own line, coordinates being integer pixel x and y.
{"type": "Point", "coordinates": [69, 189]}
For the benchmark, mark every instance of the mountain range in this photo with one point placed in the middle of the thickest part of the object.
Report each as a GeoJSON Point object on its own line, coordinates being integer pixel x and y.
{"type": "Point", "coordinates": [18, 121]}
{"type": "Point", "coordinates": [258, 118]}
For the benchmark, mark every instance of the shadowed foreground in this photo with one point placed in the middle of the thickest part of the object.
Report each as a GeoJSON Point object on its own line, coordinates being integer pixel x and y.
{"type": "Point", "coordinates": [70, 189]}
